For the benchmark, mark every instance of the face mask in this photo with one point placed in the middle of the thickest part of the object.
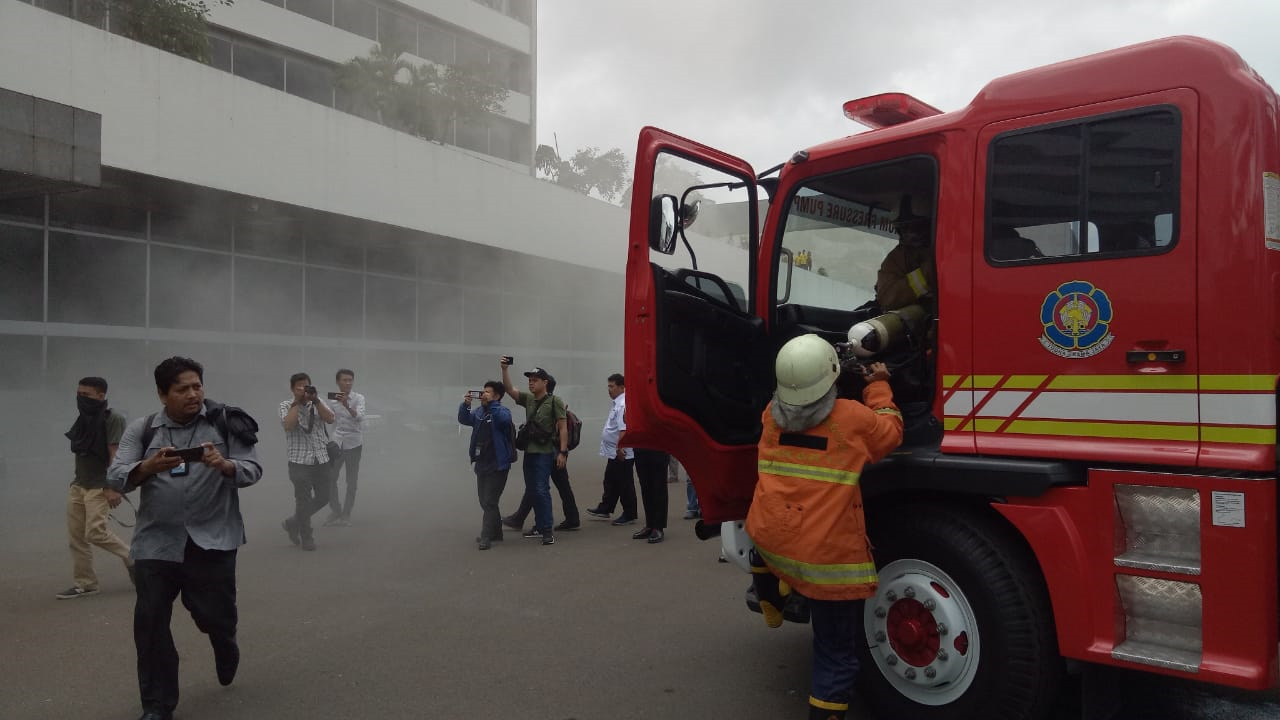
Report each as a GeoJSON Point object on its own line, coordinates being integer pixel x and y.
{"type": "Point", "coordinates": [90, 406]}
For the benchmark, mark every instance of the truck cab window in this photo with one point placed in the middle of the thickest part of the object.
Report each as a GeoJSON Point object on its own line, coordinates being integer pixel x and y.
{"type": "Point", "coordinates": [1084, 190]}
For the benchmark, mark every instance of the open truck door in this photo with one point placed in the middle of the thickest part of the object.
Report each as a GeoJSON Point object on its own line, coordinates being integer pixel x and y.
{"type": "Point", "coordinates": [698, 366]}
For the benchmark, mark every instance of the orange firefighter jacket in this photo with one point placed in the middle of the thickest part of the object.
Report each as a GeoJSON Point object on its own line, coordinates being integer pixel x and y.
{"type": "Point", "coordinates": [806, 517]}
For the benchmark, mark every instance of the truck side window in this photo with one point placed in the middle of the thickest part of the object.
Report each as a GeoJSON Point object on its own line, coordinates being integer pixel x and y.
{"type": "Point", "coordinates": [1105, 186]}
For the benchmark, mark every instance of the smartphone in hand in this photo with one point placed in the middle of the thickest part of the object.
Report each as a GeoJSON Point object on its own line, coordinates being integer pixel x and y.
{"type": "Point", "coordinates": [191, 454]}
{"type": "Point", "coordinates": [334, 395]}
{"type": "Point", "coordinates": [508, 360]}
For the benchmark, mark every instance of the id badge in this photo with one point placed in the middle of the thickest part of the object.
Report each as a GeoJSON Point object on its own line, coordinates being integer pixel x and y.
{"type": "Point", "coordinates": [178, 471]}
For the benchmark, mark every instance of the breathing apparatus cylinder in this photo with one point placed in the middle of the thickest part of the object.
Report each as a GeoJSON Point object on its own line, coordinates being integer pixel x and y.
{"type": "Point", "coordinates": [889, 331]}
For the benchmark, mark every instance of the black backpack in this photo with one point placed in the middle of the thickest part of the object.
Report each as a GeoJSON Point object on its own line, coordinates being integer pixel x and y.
{"type": "Point", "coordinates": [228, 419]}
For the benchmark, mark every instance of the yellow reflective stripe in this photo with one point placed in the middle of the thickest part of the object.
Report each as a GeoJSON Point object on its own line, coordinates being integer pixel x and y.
{"type": "Point", "coordinates": [1238, 382]}
{"type": "Point", "coordinates": [1140, 431]}
{"type": "Point", "coordinates": [952, 423]}
{"type": "Point", "coordinates": [918, 284]}
{"type": "Point", "coordinates": [827, 705]}
{"type": "Point", "coordinates": [1239, 435]}
{"type": "Point", "coordinates": [956, 381]}
{"type": "Point", "coordinates": [807, 472]}
{"type": "Point", "coordinates": [1123, 382]}
{"type": "Point", "coordinates": [987, 424]}
{"type": "Point", "coordinates": [888, 411]}
{"type": "Point", "coordinates": [1023, 382]}
{"type": "Point", "coordinates": [833, 574]}
{"type": "Point", "coordinates": [986, 382]}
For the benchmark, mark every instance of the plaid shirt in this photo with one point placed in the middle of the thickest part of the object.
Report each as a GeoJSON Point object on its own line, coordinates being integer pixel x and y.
{"type": "Point", "coordinates": [306, 442]}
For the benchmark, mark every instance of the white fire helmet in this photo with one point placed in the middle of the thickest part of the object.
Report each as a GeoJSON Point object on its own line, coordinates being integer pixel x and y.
{"type": "Point", "coordinates": [807, 367]}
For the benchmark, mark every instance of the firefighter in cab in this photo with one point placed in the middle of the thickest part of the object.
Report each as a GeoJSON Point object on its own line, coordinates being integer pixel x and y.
{"type": "Point", "coordinates": [907, 275]}
{"type": "Point", "coordinates": [806, 516]}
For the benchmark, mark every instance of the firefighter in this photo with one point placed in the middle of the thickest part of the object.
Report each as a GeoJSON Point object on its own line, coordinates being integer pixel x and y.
{"type": "Point", "coordinates": [907, 275]}
{"type": "Point", "coordinates": [806, 517]}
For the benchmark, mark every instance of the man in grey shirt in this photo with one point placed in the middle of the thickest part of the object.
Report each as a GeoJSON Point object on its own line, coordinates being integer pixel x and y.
{"type": "Point", "coordinates": [189, 528]}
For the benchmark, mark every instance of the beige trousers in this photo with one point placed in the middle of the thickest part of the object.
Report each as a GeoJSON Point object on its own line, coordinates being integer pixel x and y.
{"type": "Point", "coordinates": [87, 513]}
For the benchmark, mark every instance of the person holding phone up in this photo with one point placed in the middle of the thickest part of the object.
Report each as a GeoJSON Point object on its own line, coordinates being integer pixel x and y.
{"type": "Point", "coordinates": [189, 529]}
{"type": "Point", "coordinates": [348, 433]}
{"type": "Point", "coordinates": [304, 418]}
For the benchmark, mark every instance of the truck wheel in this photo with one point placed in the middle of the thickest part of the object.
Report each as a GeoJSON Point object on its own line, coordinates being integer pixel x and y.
{"type": "Point", "coordinates": [960, 626]}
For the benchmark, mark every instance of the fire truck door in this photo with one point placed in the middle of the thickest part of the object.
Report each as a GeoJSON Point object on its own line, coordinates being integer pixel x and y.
{"type": "Point", "coordinates": [695, 345]}
{"type": "Point", "coordinates": [1084, 284]}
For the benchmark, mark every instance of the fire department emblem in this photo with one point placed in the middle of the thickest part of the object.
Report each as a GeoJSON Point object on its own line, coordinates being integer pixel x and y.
{"type": "Point", "coordinates": [1077, 320]}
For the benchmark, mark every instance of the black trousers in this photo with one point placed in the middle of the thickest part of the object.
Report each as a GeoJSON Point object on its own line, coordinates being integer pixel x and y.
{"type": "Point", "coordinates": [206, 579]}
{"type": "Point", "coordinates": [490, 482]}
{"type": "Point", "coordinates": [651, 470]}
{"type": "Point", "coordinates": [311, 485]}
{"type": "Point", "coordinates": [619, 484]}
{"type": "Point", "coordinates": [559, 478]}
{"type": "Point", "coordinates": [351, 459]}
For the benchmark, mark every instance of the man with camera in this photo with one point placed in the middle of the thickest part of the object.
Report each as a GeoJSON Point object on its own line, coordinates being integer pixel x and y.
{"type": "Point", "coordinates": [304, 418]}
{"type": "Point", "coordinates": [190, 461]}
{"type": "Point", "coordinates": [547, 434]}
{"type": "Point", "coordinates": [348, 433]}
{"type": "Point", "coordinates": [492, 452]}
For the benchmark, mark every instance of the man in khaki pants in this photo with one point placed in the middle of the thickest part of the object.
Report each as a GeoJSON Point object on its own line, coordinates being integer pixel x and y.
{"type": "Point", "coordinates": [94, 438]}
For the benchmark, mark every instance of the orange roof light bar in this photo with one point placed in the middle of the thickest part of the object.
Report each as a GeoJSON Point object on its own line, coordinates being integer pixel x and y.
{"type": "Point", "coordinates": [885, 109]}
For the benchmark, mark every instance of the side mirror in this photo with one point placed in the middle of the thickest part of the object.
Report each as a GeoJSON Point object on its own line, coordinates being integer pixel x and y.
{"type": "Point", "coordinates": [785, 262]}
{"type": "Point", "coordinates": [662, 224]}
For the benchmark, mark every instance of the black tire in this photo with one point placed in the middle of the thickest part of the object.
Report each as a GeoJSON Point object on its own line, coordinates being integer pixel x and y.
{"type": "Point", "coordinates": [1003, 662]}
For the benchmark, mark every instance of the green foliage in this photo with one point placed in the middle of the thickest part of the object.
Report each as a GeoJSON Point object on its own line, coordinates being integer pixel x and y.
{"type": "Point", "coordinates": [589, 169]}
{"type": "Point", "coordinates": [176, 26]}
{"type": "Point", "coordinates": [418, 99]}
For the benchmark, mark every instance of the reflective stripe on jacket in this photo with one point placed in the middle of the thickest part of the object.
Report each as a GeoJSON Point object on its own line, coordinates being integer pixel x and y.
{"type": "Point", "coordinates": [806, 517]}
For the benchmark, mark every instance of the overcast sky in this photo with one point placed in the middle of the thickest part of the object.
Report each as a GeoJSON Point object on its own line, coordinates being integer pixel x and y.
{"type": "Point", "coordinates": [762, 78]}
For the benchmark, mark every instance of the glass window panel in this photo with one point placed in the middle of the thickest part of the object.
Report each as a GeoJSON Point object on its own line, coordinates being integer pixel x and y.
{"type": "Point", "coordinates": [356, 16]}
{"type": "Point", "coordinates": [267, 238]}
{"type": "Point", "coordinates": [207, 231]}
{"type": "Point", "coordinates": [390, 306]}
{"type": "Point", "coordinates": [439, 313]}
{"type": "Point", "coordinates": [473, 135]}
{"type": "Point", "coordinates": [97, 212]}
{"type": "Point", "coordinates": [259, 65]}
{"type": "Point", "coordinates": [335, 307]}
{"type": "Point", "coordinates": [445, 368]}
{"type": "Point", "coordinates": [338, 252]}
{"type": "Point", "coordinates": [321, 10]}
{"type": "Point", "coordinates": [92, 12]}
{"type": "Point", "coordinates": [520, 320]}
{"type": "Point", "coordinates": [96, 280]}
{"type": "Point", "coordinates": [472, 53]}
{"type": "Point", "coordinates": [309, 80]}
{"type": "Point", "coordinates": [435, 43]}
{"type": "Point", "coordinates": [394, 257]}
{"type": "Point", "coordinates": [521, 10]}
{"type": "Point", "coordinates": [439, 258]}
{"type": "Point", "coordinates": [26, 209]}
{"type": "Point", "coordinates": [21, 357]}
{"type": "Point", "coordinates": [481, 313]}
{"type": "Point", "coordinates": [555, 323]}
{"type": "Point", "coordinates": [22, 257]}
{"type": "Point", "coordinates": [502, 139]}
{"type": "Point", "coordinates": [62, 7]}
{"type": "Point", "coordinates": [220, 53]}
{"type": "Point", "coordinates": [397, 31]}
{"type": "Point", "coordinates": [190, 289]}
{"type": "Point", "coordinates": [268, 297]}
{"type": "Point", "coordinates": [1133, 178]}
{"type": "Point", "coordinates": [126, 365]}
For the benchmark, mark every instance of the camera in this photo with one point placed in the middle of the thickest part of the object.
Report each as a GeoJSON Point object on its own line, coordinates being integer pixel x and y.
{"type": "Point", "coordinates": [309, 390]}
{"type": "Point", "coordinates": [508, 360]}
{"type": "Point", "coordinates": [334, 395]}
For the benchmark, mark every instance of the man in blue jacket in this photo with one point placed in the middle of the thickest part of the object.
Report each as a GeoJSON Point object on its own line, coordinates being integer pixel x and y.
{"type": "Point", "coordinates": [492, 450]}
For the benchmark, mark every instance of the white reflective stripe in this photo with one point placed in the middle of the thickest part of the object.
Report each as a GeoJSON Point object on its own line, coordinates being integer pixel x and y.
{"type": "Point", "coordinates": [1003, 404]}
{"type": "Point", "coordinates": [961, 403]}
{"type": "Point", "coordinates": [1115, 406]}
{"type": "Point", "coordinates": [1252, 409]}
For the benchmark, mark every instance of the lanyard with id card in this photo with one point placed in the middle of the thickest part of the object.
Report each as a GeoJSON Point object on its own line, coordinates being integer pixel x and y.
{"type": "Point", "coordinates": [188, 455]}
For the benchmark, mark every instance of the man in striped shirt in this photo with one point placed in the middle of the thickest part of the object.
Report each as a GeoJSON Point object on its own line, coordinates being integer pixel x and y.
{"type": "Point", "coordinates": [304, 418]}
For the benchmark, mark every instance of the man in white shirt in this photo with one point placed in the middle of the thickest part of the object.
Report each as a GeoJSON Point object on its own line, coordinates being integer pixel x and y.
{"type": "Point", "coordinates": [348, 432]}
{"type": "Point", "coordinates": [619, 476]}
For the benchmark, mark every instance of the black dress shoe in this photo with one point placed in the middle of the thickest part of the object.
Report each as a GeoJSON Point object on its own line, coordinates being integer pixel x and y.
{"type": "Point", "coordinates": [644, 534]}
{"type": "Point", "coordinates": [655, 537]}
{"type": "Point", "coordinates": [226, 658]}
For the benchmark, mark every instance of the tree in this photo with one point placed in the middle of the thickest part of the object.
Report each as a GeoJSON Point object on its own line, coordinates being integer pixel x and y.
{"type": "Point", "coordinates": [589, 169]}
{"type": "Point", "coordinates": [419, 99]}
{"type": "Point", "coordinates": [176, 26]}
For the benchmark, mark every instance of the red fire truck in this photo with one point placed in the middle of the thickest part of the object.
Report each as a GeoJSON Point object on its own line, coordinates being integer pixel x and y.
{"type": "Point", "coordinates": [1088, 477]}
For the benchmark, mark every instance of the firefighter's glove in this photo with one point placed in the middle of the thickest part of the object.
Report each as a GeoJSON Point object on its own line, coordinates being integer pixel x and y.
{"type": "Point", "coordinates": [771, 591]}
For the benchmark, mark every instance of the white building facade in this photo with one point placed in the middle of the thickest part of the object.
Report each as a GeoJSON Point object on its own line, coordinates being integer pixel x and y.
{"type": "Point", "coordinates": [234, 212]}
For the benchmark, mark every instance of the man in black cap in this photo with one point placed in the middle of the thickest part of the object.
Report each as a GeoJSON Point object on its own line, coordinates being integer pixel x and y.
{"type": "Point", "coordinates": [559, 478]}
{"type": "Point", "coordinates": [548, 448]}
{"type": "Point", "coordinates": [907, 276]}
